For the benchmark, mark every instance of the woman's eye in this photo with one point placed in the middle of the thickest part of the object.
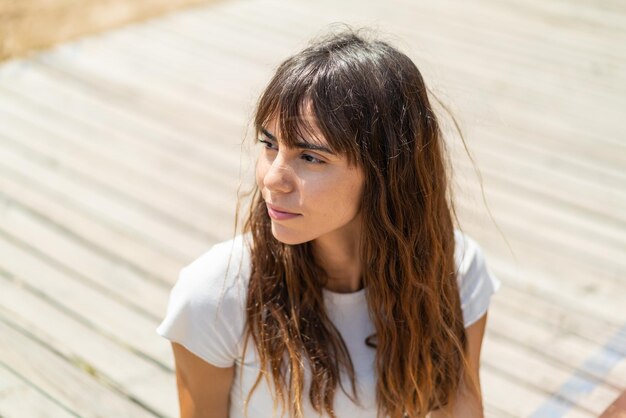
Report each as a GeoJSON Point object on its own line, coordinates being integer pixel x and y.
{"type": "Point", "coordinates": [311, 159]}
{"type": "Point", "coordinates": [267, 144]}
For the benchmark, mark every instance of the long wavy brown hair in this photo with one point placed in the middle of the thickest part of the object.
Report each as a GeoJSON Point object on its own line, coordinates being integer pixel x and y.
{"type": "Point", "coordinates": [370, 103]}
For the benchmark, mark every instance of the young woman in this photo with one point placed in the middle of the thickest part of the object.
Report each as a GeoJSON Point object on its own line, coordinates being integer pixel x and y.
{"type": "Point", "coordinates": [351, 293]}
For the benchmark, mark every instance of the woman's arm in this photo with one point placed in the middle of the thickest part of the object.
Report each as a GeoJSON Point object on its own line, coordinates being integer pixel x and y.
{"type": "Point", "coordinates": [466, 405]}
{"type": "Point", "coordinates": [203, 389]}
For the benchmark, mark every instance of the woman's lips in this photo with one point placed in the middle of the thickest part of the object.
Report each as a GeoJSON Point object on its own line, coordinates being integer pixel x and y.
{"type": "Point", "coordinates": [280, 215]}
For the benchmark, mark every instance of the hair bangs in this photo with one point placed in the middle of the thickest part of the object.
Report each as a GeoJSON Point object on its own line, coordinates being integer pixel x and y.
{"type": "Point", "coordinates": [295, 100]}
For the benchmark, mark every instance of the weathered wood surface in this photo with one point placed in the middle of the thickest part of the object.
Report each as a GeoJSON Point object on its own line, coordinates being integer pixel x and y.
{"type": "Point", "coordinates": [28, 25]}
{"type": "Point", "coordinates": [120, 161]}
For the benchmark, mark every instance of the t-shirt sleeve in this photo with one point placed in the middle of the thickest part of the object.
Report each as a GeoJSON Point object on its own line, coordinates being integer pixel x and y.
{"type": "Point", "coordinates": [204, 312]}
{"type": "Point", "coordinates": [476, 282]}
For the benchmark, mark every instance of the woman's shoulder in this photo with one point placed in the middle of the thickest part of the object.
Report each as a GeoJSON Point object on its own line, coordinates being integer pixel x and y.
{"type": "Point", "coordinates": [465, 250]}
{"type": "Point", "coordinates": [225, 264]}
{"type": "Point", "coordinates": [206, 309]}
{"type": "Point", "coordinates": [476, 281]}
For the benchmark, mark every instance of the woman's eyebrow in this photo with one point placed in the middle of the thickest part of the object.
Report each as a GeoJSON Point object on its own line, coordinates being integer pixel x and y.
{"type": "Point", "coordinates": [268, 134]}
{"type": "Point", "coordinates": [314, 147]}
{"type": "Point", "coordinates": [301, 144]}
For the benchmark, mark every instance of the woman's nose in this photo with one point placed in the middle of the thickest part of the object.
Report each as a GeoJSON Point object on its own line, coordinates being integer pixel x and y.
{"type": "Point", "coordinates": [279, 176]}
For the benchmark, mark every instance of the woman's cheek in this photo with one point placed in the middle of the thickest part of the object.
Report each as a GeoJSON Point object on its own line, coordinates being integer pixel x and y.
{"type": "Point", "coordinates": [260, 171]}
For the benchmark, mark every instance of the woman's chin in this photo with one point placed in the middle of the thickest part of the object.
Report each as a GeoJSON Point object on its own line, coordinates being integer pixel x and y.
{"type": "Point", "coordinates": [288, 237]}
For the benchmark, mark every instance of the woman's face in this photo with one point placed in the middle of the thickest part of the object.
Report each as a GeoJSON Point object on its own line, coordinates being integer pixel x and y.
{"type": "Point", "coordinates": [310, 192]}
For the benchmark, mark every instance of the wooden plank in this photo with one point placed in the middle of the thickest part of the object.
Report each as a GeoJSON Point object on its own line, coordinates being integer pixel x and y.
{"type": "Point", "coordinates": [126, 371]}
{"type": "Point", "coordinates": [503, 114]}
{"type": "Point", "coordinates": [44, 369]}
{"type": "Point", "coordinates": [36, 24]}
{"type": "Point", "coordinates": [108, 208]}
{"type": "Point", "coordinates": [500, 142]}
{"type": "Point", "coordinates": [144, 158]}
{"type": "Point", "coordinates": [531, 268]}
{"type": "Point", "coordinates": [556, 346]}
{"type": "Point", "coordinates": [155, 101]}
{"type": "Point", "coordinates": [131, 124]}
{"type": "Point", "coordinates": [564, 230]}
{"type": "Point", "coordinates": [522, 45]}
{"type": "Point", "coordinates": [471, 209]}
{"type": "Point", "coordinates": [83, 244]}
{"type": "Point", "coordinates": [517, 399]}
{"type": "Point", "coordinates": [147, 101]}
{"type": "Point", "coordinates": [20, 399]}
{"type": "Point", "coordinates": [217, 199]}
{"type": "Point", "coordinates": [577, 18]}
{"type": "Point", "coordinates": [242, 57]}
{"type": "Point", "coordinates": [103, 312]}
{"type": "Point", "coordinates": [519, 175]}
{"type": "Point", "coordinates": [530, 367]}
{"type": "Point", "coordinates": [131, 148]}
{"type": "Point", "coordinates": [585, 169]}
{"type": "Point", "coordinates": [522, 39]}
{"type": "Point", "coordinates": [177, 81]}
{"type": "Point", "coordinates": [539, 309]}
{"type": "Point", "coordinates": [569, 226]}
{"type": "Point", "coordinates": [110, 175]}
{"type": "Point", "coordinates": [558, 225]}
{"type": "Point", "coordinates": [224, 34]}
{"type": "Point", "coordinates": [534, 271]}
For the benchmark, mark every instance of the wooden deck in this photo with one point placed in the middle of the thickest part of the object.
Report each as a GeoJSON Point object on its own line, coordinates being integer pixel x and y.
{"type": "Point", "coordinates": [30, 25]}
{"type": "Point", "coordinates": [119, 161]}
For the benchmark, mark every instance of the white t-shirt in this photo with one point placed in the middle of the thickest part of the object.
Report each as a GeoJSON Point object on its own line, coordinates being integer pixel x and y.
{"type": "Point", "coordinates": [206, 314]}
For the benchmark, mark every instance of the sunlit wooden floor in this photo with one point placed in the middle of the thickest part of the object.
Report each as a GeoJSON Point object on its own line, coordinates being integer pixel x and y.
{"type": "Point", "coordinates": [120, 161]}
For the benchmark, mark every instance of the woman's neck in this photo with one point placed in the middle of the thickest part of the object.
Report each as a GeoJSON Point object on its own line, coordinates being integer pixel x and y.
{"type": "Point", "coordinates": [339, 255]}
